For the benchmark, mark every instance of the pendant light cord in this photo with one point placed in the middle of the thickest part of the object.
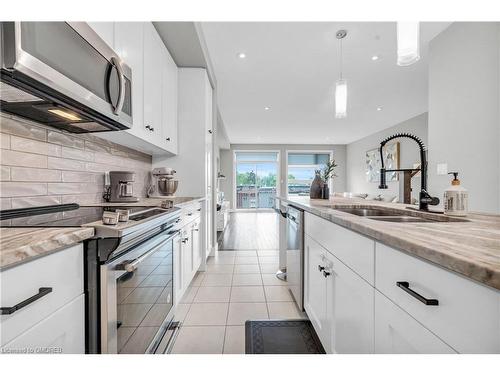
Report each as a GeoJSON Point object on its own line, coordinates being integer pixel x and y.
{"type": "Point", "coordinates": [341, 58]}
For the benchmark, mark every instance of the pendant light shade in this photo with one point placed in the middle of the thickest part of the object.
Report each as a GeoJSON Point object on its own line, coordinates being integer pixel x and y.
{"type": "Point", "coordinates": [341, 84]}
{"type": "Point", "coordinates": [341, 98]}
{"type": "Point", "coordinates": [408, 43]}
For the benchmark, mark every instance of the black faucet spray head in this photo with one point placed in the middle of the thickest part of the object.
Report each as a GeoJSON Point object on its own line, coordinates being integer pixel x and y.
{"type": "Point", "coordinates": [382, 184]}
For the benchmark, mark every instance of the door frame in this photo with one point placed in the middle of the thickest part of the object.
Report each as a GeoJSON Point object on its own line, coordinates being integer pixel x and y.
{"type": "Point", "coordinates": [278, 178]}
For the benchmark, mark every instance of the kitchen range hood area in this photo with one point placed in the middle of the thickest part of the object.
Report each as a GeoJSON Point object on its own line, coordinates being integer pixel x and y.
{"type": "Point", "coordinates": [63, 75]}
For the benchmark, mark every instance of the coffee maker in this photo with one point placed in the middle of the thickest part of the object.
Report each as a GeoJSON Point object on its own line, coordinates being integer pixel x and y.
{"type": "Point", "coordinates": [163, 184]}
{"type": "Point", "coordinates": [120, 187]}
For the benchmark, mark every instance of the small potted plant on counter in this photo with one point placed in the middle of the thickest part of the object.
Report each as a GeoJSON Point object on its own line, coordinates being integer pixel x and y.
{"type": "Point", "coordinates": [328, 173]}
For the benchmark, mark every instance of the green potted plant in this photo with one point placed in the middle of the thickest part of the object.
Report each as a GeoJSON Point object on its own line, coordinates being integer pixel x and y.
{"type": "Point", "coordinates": [328, 173]}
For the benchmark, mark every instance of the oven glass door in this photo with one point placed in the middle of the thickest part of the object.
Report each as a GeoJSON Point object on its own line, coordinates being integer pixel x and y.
{"type": "Point", "coordinates": [144, 297]}
{"type": "Point", "coordinates": [74, 65]}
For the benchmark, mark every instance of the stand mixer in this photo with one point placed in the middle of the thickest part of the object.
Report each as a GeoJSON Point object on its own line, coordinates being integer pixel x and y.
{"type": "Point", "coordinates": [164, 184]}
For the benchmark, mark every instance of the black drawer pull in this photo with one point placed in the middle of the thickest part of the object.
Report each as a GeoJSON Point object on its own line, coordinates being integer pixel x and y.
{"type": "Point", "coordinates": [11, 310]}
{"type": "Point", "coordinates": [405, 285]}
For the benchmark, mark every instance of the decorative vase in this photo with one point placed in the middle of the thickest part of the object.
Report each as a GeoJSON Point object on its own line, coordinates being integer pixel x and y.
{"type": "Point", "coordinates": [316, 187]}
{"type": "Point", "coordinates": [325, 191]}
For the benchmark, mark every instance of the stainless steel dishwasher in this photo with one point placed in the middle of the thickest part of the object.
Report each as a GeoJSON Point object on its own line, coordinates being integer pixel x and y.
{"type": "Point", "coordinates": [295, 254]}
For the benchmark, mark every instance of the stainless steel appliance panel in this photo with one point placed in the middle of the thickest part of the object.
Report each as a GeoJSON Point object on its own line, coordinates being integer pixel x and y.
{"type": "Point", "coordinates": [137, 297]}
{"type": "Point", "coordinates": [295, 254]}
{"type": "Point", "coordinates": [55, 60]}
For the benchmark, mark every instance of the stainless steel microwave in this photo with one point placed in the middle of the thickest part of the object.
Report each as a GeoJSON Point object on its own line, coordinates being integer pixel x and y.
{"type": "Point", "coordinates": [64, 75]}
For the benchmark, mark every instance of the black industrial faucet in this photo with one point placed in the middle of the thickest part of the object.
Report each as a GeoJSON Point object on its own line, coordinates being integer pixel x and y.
{"type": "Point", "coordinates": [424, 197]}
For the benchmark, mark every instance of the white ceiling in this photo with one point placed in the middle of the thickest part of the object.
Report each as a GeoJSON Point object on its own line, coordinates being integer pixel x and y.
{"type": "Point", "coordinates": [292, 68]}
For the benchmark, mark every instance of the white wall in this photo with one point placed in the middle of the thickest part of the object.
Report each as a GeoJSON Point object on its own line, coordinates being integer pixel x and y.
{"type": "Point", "coordinates": [464, 120]}
{"type": "Point", "coordinates": [409, 155]}
{"type": "Point", "coordinates": [226, 164]}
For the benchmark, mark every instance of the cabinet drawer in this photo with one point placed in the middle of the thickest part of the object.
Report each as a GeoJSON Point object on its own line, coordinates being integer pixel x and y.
{"type": "Point", "coordinates": [61, 271]}
{"type": "Point", "coordinates": [354, 250]}
{"type": "Point", "coordinates": [467, 314]}
{"type": "Point", "coordinates": [396, 332]}
{"type": "Point", "coordinates": [62, 332]}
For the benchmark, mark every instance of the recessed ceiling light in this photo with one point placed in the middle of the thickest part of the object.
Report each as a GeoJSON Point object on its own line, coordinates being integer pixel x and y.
{"type": "Point", "coordinates": [375, 57]}
{"type": "Point", "coordinates": [267, 108]}
{"type": "Point", "coordinates": [379, 109]}
{"type": "Point", "coordinates": [241, 55]}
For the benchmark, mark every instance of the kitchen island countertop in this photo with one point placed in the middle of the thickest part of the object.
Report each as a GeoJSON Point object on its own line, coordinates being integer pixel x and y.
{"type": "Point", "coordinates": [470, 248]}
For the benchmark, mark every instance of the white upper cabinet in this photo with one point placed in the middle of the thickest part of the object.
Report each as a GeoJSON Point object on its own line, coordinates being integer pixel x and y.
{"type": "Point", "coordinates": [129, 45]}
{"type": "Point", "coordinates": [154, 86]}
{"type": "Point", "coordinates": [169, 102]}
{"type": "Point", "coordinates": [153, 58]}
{"type": "Point", "coordinates": [105, 30]}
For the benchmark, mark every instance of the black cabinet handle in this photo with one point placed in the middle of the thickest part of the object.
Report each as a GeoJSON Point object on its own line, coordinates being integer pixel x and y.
{"type": "Point", "coordinates": [326, 274]}
{"type": "Point", "coordinates": [320, 268]}
{"type": "Point", "coordinates": [405, 285]}
{"type": "Point", "coordinates": [11, 310]}
{"type": "Point", "coordinates": [148, 127]}
{"type": "Point", "coordinates": [168, 139]}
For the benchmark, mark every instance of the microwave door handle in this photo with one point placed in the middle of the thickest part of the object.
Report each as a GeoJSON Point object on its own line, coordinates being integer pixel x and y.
{"type": "Point", "coordinates": [121, 85]}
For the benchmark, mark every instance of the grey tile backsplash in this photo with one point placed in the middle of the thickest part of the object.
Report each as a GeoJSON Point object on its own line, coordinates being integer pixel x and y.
{"type": "Point", "coordinates": [42, 166]}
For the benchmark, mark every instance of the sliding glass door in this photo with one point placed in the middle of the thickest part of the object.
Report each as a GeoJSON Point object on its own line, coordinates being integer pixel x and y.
{"type": "Point", "coordinates": [256, 175]}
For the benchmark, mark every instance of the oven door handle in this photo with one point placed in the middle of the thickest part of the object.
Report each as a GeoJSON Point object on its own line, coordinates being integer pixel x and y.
{"type": "Point", "coordinates": [131, 265]}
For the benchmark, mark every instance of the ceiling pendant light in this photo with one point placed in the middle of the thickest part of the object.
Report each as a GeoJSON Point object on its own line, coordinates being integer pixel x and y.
{"type": "Point", "coordinates": [341, 84]}
{"type": "Point", "coordinates": [408, 43]}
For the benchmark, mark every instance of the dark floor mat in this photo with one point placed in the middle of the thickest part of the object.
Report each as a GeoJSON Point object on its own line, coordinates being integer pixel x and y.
{"type": "Point", "coordinates": [294, 336]}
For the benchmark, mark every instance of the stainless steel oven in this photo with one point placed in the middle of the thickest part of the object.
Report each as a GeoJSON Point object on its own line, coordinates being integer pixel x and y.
{"type": "Point", "coordinates": [64, 75]}
{"type": "Point", "coordinates": [137, 296]}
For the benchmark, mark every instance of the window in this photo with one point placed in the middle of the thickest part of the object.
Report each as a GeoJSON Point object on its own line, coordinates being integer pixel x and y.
{"type": "Point", "coordinates": [301, 169]}
{"type": "Point", "coordinates": [256, 179]}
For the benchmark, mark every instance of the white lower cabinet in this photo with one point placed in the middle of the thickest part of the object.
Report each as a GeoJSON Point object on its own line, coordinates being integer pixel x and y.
{"type": "Point", "coordinates": [63, 332]}
{"type": "Point", "coordinates": [187, 257]}
{"type": "Point", "coordinates": [196, 244]}
{"type": "Point", "coordinates": [54, 316]}
{"type": "Point", "coordinates": [396, 332]}
{"type": "Point", "coordinates": [339, 303]}
{"type": "Point", "coordinates": [351, 307]}
{"type": "Point", "coordinates": [412, 306]}
{"type": "Point", "coordinates": [315, 290]}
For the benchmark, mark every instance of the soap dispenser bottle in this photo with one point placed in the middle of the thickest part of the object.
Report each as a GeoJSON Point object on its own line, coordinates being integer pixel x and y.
{"type": "Point", "coordinates": [456, 198]}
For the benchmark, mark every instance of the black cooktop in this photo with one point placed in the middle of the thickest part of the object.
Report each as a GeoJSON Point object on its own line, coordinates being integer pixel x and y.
{"type": "Point", "coordinates": [68, 215]}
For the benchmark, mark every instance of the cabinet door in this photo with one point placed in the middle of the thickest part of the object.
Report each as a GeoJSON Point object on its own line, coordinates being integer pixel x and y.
{"type": "Point", "coordinates": [315, 293]}
{"type": "Point", "coordinates": [195, 242]}
{"type": "Point", "coordinates": [351, 307]}
{"type": "Point", "coordinates": [105, 30]}
{"type": "Point", "coordinates": [396, 332]}
{"type": "Point", "coordinates": [169, 102]}
{"type": "Point", "coordinates": [62, 332]}
{"type": "Point", "coordinates": [187, 257]}
{"type": "Point", "coordinates": [152, 81]}
{"type": "Point", "coordinates": [178, 269]}
{"type": "Point", "coordinates": [129, 45]}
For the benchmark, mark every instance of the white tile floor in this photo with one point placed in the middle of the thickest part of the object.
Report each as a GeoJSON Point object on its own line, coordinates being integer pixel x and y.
{"type": "Point", "coordinates": [237, 286]}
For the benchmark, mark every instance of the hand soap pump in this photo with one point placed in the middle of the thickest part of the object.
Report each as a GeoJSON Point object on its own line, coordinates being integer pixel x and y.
{"type": "Point", "coordinates": [456, 198]}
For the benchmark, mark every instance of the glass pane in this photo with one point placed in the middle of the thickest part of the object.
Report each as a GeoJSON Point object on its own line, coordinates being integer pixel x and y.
{"type": "Point", "coordinates": [245, 186]}
{"type": "Point", "coordinates": [62, 48]}
{"type": "Point", "coordinates": [300, 178]}
{"type": "Point", "coordinates": [266, 184]}
{"type": "Point", "coordinates": [307, 159]}
{"type": "Point", "coordinates": [256, 156]}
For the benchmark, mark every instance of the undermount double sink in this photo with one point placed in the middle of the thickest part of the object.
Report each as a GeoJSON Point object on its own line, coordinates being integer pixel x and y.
{"type": "Point", "coordinates": [394, 216]}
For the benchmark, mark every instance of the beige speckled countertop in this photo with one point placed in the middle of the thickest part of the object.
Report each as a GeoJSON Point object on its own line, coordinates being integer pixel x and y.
{"type": "Point", "coordinates": [470, 248]}
{"type": "Point", "coordinates": [18, 245]}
